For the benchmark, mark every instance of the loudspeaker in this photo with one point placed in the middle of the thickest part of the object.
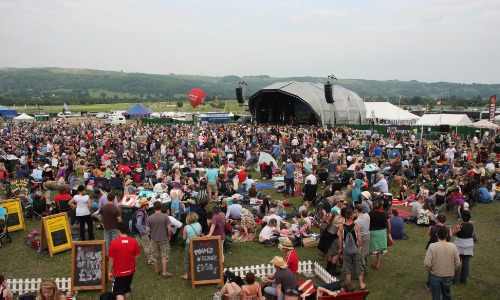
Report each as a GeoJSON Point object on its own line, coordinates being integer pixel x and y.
{"type": "Point", "coordinates": [239, 95]}
{"type": "Point", "coordinates": [328, 93]}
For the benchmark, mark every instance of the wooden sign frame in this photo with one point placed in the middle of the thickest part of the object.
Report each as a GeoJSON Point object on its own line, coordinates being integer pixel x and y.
{"type": "Point", "coordinates": [191, 260]}
{"type": "Point", "coordinates": [61, 221]}
{"type": "Point", "coordinates": [101, 287]}
{"type": "Point", "coordinates": [16, 205]}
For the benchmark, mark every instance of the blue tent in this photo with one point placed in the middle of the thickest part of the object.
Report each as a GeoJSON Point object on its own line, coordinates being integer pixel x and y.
{"type": "Point", "coordinates": [7, 112]}
{"type": "Point", "coordinates": [138, 111]}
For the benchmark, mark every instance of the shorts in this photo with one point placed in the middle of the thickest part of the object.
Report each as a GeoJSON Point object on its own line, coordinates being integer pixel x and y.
{"type": "Point", "coordinates": [212, 187]}
{"type": "Point", "coordinates": [161, 249]}
{"type": "Point", "coordinates": [352, 264]}
{"type": "Point", "coordinates": [121, 285]}
{"type": "Point", "coordinates": [143, 240]}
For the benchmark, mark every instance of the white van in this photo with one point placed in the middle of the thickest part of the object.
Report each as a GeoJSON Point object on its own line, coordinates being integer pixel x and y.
{"type": "Point", "coordinates": [115, 120]}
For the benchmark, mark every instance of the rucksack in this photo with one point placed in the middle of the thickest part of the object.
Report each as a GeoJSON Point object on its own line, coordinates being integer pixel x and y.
{"type": "Point", "coordinates": [350, 244]}
{"type": "Point", "coordinates": [133, 221]}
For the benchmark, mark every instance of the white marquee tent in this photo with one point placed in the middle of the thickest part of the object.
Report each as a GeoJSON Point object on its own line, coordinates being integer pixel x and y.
{"type": "Point", "coordinates": [23, 118]}
{"type": "Point", "coordinates": [485, 124]}
{"type": "Point", "coordinates": [444, 119]}
{"type": "Point", "coordinates": [387, 111]}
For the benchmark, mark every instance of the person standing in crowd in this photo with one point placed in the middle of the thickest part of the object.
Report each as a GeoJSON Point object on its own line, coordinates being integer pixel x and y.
{"type": "Point", "coordinates": [363, 221]}
{"type": "Point", "coordinates": [123, 255]}
{"type": "Point", "coordinates": [192, 229]}
{"type": "Point", "coordinates": [464, 233]}
{"type": "Point", "coordinates": [212, 178]}
{"type": "Point", "coordinates": [217, 224]}
{"type": "Point", "coordinates": [289, 178]}
{"type": "Point", "coordinates": [110, 216]}
{"type": "Point", "coordinates": [158, 226]}
{"type": "Point", "coordinates": [380, 228]}
{"type": "Point", "coordinates": [441, 260]}
{"type": "Point", "coordinates": [82, 203]}
{"type": "Point", "coordinates": [142, 235]}
{"type": "Point", "coordinates": [352, 263]}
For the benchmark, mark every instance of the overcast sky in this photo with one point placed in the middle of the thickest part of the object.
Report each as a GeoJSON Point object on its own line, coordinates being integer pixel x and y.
{"type": "Point", "coordinates": [440, 40]}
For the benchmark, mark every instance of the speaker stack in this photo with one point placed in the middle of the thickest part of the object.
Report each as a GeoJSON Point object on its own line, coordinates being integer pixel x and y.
{"type": "Point", "coordinates": [239, 95]}
{"type": "Point", "coordinates": [328, 93]}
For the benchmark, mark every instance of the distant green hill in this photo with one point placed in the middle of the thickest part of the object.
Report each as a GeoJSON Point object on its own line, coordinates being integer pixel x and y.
{"type": "Point", "coordinates": [52, 86]}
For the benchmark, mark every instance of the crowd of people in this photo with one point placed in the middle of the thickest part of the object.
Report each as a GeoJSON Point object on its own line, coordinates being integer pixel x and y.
{"type": "Point", "coordinates": [210, 163]}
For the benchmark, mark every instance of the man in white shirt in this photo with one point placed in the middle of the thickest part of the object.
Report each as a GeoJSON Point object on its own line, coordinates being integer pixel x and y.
{"type": "Point", "coordinates": [234, 211]}
{"type": "Point", "coordinates": [272, 215]}
{"type": "Point", "coordinates": [450, 152]}
{"type": "Point", "coordinates": [312, 178]}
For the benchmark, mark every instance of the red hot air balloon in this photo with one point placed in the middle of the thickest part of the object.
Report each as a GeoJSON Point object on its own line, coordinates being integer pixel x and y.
{"type": "Point", "coordinates": [196, 97]}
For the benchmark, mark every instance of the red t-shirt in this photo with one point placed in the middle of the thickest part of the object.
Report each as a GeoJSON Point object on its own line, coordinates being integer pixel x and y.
{"type": "Point", "coordinates": [63, 197]}
{"type": "Point", "coordinates": [124, 250]}
{"type": "Point", "coordinates": [292, 259]}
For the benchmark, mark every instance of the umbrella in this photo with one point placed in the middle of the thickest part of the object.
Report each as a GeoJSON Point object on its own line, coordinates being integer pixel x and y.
{"type": "Point", "coordinates": [229, 151]}
{"type": "Point", "coordinates": [352, 167]}
{"type": "Point", "coordinates": [163, 165]}
{"type": "Point", "coordinates": [125, 169]}
{"type": "Point", "coordinates": [399, 146]}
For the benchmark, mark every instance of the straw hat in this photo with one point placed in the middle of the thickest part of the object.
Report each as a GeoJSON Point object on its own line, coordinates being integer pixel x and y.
{"type": "Point", "coordinates": [244, 211]}
{"type": "Point", "coordinates": [440, 187]}
{"type": "Point", "coordinates": [128, 181]}
{"type": "Point", "coordinates": [279, 262]}
{"type": "Point", "coordinates": [287, 245]}
{"type": "Point", "coordinates": [143, 202]}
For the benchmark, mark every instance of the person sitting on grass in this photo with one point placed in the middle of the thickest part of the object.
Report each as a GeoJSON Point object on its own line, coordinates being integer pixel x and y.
{"type": "Point", "coordinates": [330, 288]}
{"type": "Point", "coordinates": [269, 235]}
{"type": "Point", "coordinates": [249, 291]}
{"type": "Point", "coordinates": [248, 224]}
{"type": "Point", "coordinates": [397, 226]}
{"type": "Point", "coordinates": [48, 290]}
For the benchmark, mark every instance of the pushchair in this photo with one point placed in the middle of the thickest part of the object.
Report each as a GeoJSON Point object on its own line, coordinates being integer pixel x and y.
{"type": "Point", "coordinates": [4, 231]}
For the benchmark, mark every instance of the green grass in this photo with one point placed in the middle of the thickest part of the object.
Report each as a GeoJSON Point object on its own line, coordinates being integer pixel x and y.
{"type": "Point", "coordinates": [402, 275]}
{"type": "Point", "coordinates": [231, 106]}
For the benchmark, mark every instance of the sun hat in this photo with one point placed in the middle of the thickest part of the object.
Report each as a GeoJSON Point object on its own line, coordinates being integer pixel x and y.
{"type": "Point", "coordinates": [366, 194]}
{"type": "Point", "coordinates": [128, 181]}
{"type": "Point", "coordinates": [287, 245]}
{"type": "Point", "coordinates": [244, 211]}
{"type": "Point", "coordinates": [279, 262]}
{"type": "Point", "coordinates": [143, 202]}
{"type": "Point", "coordinates": [46, 166]}
{"type": "Point", "coordinates": [440, 187]}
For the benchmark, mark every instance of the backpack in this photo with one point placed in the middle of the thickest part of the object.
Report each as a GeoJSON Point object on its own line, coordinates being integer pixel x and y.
{"type": "Point", "coordinates": [423, 218]}
{"type": "Point", "coordinates": [350, 244]}
{"type": "Point", "coordinates": [133, 221]}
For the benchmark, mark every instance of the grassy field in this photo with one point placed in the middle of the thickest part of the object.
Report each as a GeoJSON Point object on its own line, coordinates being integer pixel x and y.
{"type": "Point", "coordinates": [229, 106]}
{"type": "Point", "coordinates": [402, 275]}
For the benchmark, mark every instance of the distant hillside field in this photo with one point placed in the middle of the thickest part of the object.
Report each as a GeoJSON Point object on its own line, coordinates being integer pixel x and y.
{"type": "Point", "coordinates": [55, 86]}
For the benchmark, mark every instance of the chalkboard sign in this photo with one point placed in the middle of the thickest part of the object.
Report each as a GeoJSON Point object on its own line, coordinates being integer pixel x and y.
{"type": "Point", "coordinates": [55, 233]}
{"type": "Point", "coordinates": [15, 216]}
{"type": "Point", "coordinates": [88, 267]}
{"type": "Point", "coordinates": [206, 260]}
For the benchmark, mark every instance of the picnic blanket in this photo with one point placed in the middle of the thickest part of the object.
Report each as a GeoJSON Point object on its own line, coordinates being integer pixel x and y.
{"type": "Point", "coordinates": [402, 213]}
{"type": "Point", "coordinates": [241, 237]}
{"type": "Point", "coordinates": [264, 185]}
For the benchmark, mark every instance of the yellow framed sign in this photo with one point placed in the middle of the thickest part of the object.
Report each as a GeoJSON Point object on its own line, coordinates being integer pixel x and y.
{"type": "Point", "coordinates": [56, 234]}
{"type": "Point", "coordinates": [15, 216]}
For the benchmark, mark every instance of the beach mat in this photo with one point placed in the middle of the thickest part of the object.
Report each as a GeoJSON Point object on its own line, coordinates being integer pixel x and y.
{"type": "Point", "coordinates": [241, 237]}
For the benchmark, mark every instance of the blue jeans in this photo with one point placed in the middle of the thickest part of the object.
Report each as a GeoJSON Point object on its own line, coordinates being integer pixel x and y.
{"type": "Point", "coordinates": [110, 235]}
{"type": "Point", "coordinates": [289, 184]}
{"type": "Point", "coordinates": [440, 285]}
{"type": "Point", "coordinates": [271, 290]}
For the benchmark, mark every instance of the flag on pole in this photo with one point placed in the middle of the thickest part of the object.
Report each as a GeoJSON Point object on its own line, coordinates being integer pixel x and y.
{"type": "Point", "coordinates": [65, 107]}
{"type": "Point", "coordinates": [217, 100]}
{"type": "Point", "coordinates": [493, 106]}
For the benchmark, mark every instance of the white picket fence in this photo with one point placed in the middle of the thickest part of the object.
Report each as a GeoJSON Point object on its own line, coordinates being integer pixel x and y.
{"type": "Point", "coordinates": [304, 267]}
{"type": "Point", "coordinates": [21, 286]}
